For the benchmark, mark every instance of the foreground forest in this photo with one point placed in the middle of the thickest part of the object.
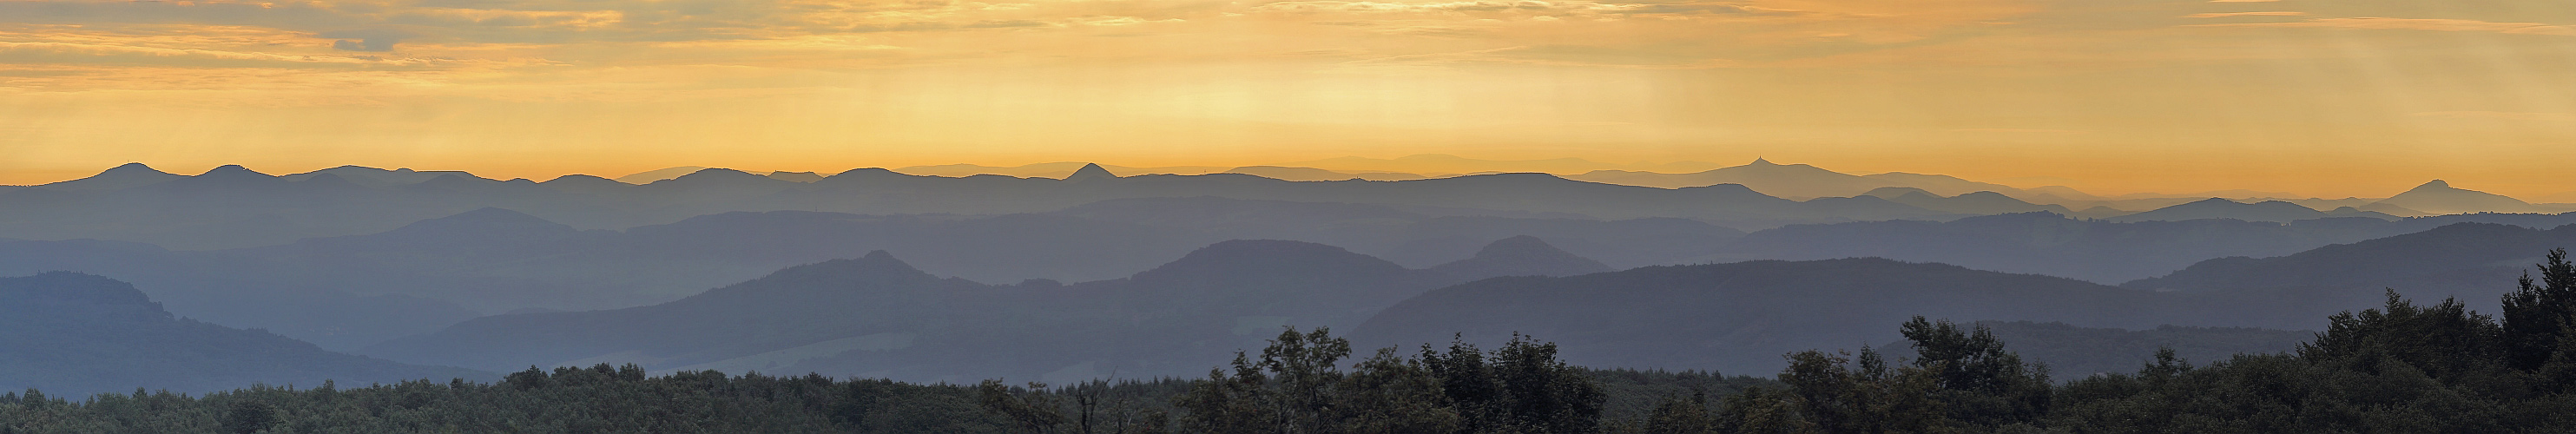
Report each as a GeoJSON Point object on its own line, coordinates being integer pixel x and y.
{"type": "Point", "coordinates": [2404, 367]}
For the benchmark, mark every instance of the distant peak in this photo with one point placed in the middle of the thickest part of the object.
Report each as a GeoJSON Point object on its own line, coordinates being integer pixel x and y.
{"type": "Point", "coordinates": [1522, 243]}
{"type": "Point", "coordinates": [121, 176]}
{"type": "Point", "coordinates": [1091, 171]}
{"type": "Point", "coordinates": [878, 255]}
{"type": "Point", "coordinates": [231, 169]}
{"type": "Point", "coordinates": [133, 167]}
{"type": "Point", "coordinates": [1757, 161]}
{"type": "Point", "coordinates": [2436, 184]}
{"type": "Point", "coordinates": [1521, 256]}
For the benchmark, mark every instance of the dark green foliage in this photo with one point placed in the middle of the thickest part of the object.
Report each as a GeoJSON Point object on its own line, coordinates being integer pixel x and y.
{"type": "Point", "coordinates": [2537, 313]}
{"type": "Point", "coordinates": [597, 399]}
{"type": "Point", "coordinates": [1297, 387]}
{"type": "Point", "coordinates": [1983, 384]}
{"type": "Point", "coordinates": [248, 417]}
{"type": "Point", "coordinates": [2441, 341]}
{"type": "Point", "coordinates": [2401, 368]}
{"type": "Point", "coordinates": [2073, 352]}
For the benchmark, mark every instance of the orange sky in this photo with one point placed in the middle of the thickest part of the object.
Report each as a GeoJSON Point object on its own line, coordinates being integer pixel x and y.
{"type": "Point", "coordinates": [2327, 98]}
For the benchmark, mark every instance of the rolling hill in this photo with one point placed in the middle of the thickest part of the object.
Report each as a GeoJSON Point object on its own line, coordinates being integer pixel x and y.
{"type": "Point", "coordinates": [77, 334]}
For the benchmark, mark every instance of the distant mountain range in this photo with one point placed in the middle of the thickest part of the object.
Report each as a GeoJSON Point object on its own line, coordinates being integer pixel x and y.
{"type": "Point", "coordinates": [232, 206]}
{"type": "Point", "coordinates": [878, 316]}
{"type": "Point", "coordinates": [347, 292]}
{"type": "Point", "coordinates": [74, 335]}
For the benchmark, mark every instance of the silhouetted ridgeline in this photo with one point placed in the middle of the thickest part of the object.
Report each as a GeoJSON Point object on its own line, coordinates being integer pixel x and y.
{"type": "Point", "coordinates": [235, 207]}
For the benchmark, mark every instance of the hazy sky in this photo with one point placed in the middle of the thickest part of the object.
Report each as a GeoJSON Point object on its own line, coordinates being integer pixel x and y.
{"type": "Point", "coordinates": [2323, 97]}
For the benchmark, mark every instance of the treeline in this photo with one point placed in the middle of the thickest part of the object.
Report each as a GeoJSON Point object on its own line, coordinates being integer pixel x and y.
{"type": "Point", "coordinates": [1298, 384]}
{"type": "Point", "coordinates": [2401, 368]}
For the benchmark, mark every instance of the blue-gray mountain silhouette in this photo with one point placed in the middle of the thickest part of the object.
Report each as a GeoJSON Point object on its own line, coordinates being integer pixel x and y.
{"type": "Point", "coordinates": [234, 207]}
{"type": "Point", "coordinates": [2093, 250]}
{"type": "Point", "coordinates": [2264, 211]}
{"type": "Point", "coordinates": [1522, 256]}
{"type": "Point", "coordinates": [129, 175]}
{"type": "Point", "coordinates": [77, 334]}
{"type": "Point", "coordinates": [2440, 197]}
{"type": "Point", "coordinates": [2474, 262]}
{"type": "Point", "coordinates": [880, 316]}
{"type": "Point", "coordinates": [1741, 317]}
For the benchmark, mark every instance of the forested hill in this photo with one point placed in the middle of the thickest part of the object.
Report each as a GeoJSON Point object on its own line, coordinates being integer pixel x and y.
{"type": "Point", "coordinates": [80, 334]}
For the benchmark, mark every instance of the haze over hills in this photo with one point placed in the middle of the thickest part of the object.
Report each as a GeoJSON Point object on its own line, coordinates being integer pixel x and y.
{"type": "Point", "coordinates": [351, 256]}
{"type": "Point", "coordinates": [895, 320]}
{"type": "Point", "coordinates": [350, 291]}
{"type": "Point", "coordinates": [877, 316]}
{"type": "Point", "coordinates": [75, 334]}
{"type": "Point", "coordinates": [2264, 211]}
{"type": "Point", "coordinates": [2474, 262]}
{"type": "Point", "coordinates": [1793, 180]}
{"type": "Point", "coordinates": [2441, 197]}
{"type": "Point", "coordinates": [2101, 251]}
{"type": "Point", "coordinates": [1740, 317]}
{"type": "Point", "coordinates": [346, 292]}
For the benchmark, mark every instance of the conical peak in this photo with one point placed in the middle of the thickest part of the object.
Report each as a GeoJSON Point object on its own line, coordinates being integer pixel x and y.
{"type": "Point", "coordinates": [1091, 171]}
{"type": "Point", "coordinates": [2436, 184]}
{"type": "Point", "coordinates": [1762, 162]}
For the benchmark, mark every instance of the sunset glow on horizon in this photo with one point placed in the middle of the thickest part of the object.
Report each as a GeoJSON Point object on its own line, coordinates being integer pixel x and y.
{"type": "Point", "coordinates": [2328, 99]}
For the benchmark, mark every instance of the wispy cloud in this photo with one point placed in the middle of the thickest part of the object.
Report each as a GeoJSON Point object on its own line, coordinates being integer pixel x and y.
{"type": "Point", "coordinates": [2433, 24]}
{"type": "Point", "coordinates": [2518, 116]}
{"type": "Point", "coordinates": [2247, 14]}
